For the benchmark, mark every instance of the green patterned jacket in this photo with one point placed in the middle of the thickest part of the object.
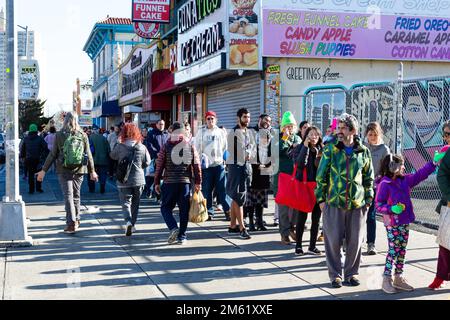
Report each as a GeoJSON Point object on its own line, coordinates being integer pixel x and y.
{"type": "Point", "coordinates": [345, 182]}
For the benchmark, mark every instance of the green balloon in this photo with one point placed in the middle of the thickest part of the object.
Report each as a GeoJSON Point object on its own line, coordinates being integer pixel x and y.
{"type": "Point", "coordinates": [397, 209]}
{"type": "Point", "coordinates": [438, 156]}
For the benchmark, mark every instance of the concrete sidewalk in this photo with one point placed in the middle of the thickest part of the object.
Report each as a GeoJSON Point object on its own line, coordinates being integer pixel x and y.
{"type": "Point", "coordinates": [100, 263]}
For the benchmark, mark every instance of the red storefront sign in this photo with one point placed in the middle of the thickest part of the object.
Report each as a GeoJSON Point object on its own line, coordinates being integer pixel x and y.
{"type": "Point", "coordinates": [151, 11]}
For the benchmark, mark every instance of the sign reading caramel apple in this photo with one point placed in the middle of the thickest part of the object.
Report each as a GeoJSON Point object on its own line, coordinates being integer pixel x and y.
{"type": "Point", "coordinates": [244, 30]}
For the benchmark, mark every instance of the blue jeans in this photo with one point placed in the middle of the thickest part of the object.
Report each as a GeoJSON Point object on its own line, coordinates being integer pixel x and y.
{"type": "Point", "coordinates": [173, 194]}
{"type": "Point", "coordinates": [215, 178]}
{"type": "Point", "coordinates": [371, 223]}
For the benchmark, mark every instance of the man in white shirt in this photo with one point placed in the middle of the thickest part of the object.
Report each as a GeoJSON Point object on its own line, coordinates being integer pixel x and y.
{"type": "Point", "coordinates": [211, 143]}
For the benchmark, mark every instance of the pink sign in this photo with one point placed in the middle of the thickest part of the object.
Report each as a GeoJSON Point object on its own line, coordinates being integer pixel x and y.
{"type": "Point", "coordinates": [316, 34]}
{"type": "Point", "coordinates": [151, 11]}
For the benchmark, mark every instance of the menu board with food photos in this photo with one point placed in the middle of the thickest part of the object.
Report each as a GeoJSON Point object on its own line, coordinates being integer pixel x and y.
{"type": "Point", "coordinates": [244, 30]}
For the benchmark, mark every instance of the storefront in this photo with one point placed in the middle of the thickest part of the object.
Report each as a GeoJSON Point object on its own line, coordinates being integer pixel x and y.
{"type": "Point", "coordinates": [158, 97]}
{"type": "Point", "coordinates": [219, 62]}
{"type": "Point", "coordinates": [134, 74]}
{"type": "Point", "coordinates": [320, 56]}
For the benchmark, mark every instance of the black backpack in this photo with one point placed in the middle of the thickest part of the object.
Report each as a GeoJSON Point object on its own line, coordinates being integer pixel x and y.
{"type": "Point", "coordinates": [124, 167]}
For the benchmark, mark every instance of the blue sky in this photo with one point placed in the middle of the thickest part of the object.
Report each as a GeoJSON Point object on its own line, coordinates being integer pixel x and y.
{"type": "Point", "coordinates": [63, 27]}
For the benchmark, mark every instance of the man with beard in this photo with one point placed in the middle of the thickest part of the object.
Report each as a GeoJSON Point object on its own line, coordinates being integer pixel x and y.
{"type": "Point", "coordinates": [345, 192]}
{"type": "Point", "coordinates": [258, 194]}
{"type": "Point", "coordinates": [241, 150]}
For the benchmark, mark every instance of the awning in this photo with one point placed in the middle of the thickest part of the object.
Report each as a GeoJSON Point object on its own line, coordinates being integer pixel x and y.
{"type": "Point", "coordinates": [132, 109]}
{"type": "Point", "coordinates": [107, 109]}
{"type": "Point", "coordinates": [158, 98]}
{"type": "Point", "coordinates": [163, 81]}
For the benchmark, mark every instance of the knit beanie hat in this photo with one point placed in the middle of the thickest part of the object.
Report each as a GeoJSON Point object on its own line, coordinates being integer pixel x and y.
{"type": "Point", "coordinates": [33, 128]}
{"type": "Point", "coordinates": [288, 119]}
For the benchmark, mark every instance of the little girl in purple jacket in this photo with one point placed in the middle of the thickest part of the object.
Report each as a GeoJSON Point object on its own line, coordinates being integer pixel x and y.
{"type": "Point", "coordinates": [393, 201]}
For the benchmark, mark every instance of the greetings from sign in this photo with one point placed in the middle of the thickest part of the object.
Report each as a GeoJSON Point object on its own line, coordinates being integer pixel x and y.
{"type": "Point", "coordinates": [293, 33]}
{"type": "Point", "coordinates": [151, 11]}
{"type": "Point", "coordinates": [146, 30]}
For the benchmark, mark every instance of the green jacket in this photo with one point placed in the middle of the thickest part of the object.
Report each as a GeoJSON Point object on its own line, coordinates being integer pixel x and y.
{"type": "Point", "coordinates": [443, 179]}
{"type": "Point", "coordinates": [57, 154]}
{"type": "Point", "coordinates": [286, 162]}
{"type": "Point", "coordinates": [345, 182]}
{"type": "Point", "coordinates": [101, 149]}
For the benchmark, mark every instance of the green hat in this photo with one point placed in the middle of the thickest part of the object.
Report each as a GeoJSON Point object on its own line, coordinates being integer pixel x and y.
{"type": "Point", "coordinates": [288, 119]}
{"type": "Point", "coordinates": [33, 128]}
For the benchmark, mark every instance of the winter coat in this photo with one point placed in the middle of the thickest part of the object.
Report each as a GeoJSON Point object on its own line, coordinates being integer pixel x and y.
{"type": "Point", "coordinates": [306, 158]}
{"type": "Point", "coordinates": [378, 152]}
{"type": "Point", "coordinates": [140, 162]}
{"type": "Point", "coordinates": [50, 140]}
{"type": "Point", "coordinates": [443, 179]}
{"type": "Point", "coordinates": [172, 172]}
{"type": "Point", "coordinates": [393, 191]}
{"type": "Point", "coordinates": [101, 150]}
{"type": "Point", "coordinates": [345, 182]}
{"type": "Point", "coordinates": [33, 147]}
{"type": "Point", "coordinates": [57, 155]}
{"type": "Point", "coordinates": [286, 161]}
{"type": "Point", "coordinates": [155, 140]}
{"type": "Point", "coordinates": [260, 180]}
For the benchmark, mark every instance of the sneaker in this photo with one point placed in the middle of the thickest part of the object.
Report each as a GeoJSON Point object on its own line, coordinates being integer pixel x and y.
{"type": "Point", "coordinates": [133, 229]}
{"type": "Point", "coordinates": [182, 242]}
{"type": "Point", "coordinates": [337, 283]}
{"type": "Point", "coordinates": [70, 229]}
{"type": "Point", "coordinates": [315, 252]}
{"type": "Point", "coordinates": [219, 208]}
{"type": "Point", "coordinates": [129, 230]}
{"type": "Point", "coordinates": [353, 281]}
{"type": "Point", "coordinates": [244, 235]}
{"type": "Point", "coordinates": [387, 285]}
{"type": "Point", "coordinates": [371, 251]}
{"type": "Point", "coordinates": [261, 228]}
{"type": "Point", "coordinates": [234, 230]}
{"type": "Point", "coordinates": [173, 236]}
{"type": "Point", "coordinates": [299, 252]}
{"type": "Point", "coordinates": [286, 240]}
{"type": "Point", "coordinates": [276, 222]}
{"type": "Point", "coordinates": [401, 283]}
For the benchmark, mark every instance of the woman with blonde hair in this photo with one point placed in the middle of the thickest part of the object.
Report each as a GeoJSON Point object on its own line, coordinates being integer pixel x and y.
{"type": "Point", "coordinates": [72, 154]}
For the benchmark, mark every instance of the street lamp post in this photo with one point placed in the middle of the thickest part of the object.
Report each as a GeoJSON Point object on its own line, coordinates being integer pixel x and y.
{"type": "Point", "coordinates": [13, 223]}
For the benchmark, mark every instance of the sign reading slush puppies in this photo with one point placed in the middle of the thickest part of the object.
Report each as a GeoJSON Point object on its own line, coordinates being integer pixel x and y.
{"type": "Point", "coordinates": [317, 34]}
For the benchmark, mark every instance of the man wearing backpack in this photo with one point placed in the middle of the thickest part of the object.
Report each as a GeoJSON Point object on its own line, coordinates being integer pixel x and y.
{"type": "Point", "coordinates": [73, 159]}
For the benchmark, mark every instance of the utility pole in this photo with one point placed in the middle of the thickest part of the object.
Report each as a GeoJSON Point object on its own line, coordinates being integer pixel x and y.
{"type": "Point", "coordinates": [13, 223]}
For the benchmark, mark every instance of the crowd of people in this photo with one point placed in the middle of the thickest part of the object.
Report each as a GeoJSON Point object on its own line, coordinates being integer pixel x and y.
{"type": "Point", "coordinates": [355, 178]}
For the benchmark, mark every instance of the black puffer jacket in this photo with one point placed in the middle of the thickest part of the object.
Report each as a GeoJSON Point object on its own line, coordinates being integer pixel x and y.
{"type": "Point", "coordinates": [307, 157]}
{"type": "Point", "coordinates": [33, 147]}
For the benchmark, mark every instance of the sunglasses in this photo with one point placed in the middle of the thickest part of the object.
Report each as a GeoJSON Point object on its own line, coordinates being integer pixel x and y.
{"type": "Point", "coordinates": [446, 134]}
{"type": "Point", "coordinates": [210, 119]}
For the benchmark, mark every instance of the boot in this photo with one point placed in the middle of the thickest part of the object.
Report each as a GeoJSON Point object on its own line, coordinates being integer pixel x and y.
{"type": "Point", "coordinates": [401, 284]}
{"type": "Point", "coordinates": [388, 285]}
{"type": "Point", "coordinates": [437, 284]}
{"type": "Point", "coordinates": [259, 220]}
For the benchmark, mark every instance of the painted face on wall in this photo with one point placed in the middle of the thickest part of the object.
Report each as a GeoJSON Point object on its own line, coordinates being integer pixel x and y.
{"type": "Point", "coordinates": [417, 115]}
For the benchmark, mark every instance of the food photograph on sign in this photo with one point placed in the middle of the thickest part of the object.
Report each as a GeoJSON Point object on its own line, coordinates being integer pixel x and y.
{"type": "Point", "coordinates": [244, 34]}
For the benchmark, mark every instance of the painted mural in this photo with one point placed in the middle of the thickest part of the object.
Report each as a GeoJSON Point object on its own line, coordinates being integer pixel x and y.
{"type": "Point", "coordinates": [426, 106]}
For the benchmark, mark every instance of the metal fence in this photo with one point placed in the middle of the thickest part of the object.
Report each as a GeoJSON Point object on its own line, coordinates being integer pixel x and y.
{"type": "Point", "coordinates": [411, 113]}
